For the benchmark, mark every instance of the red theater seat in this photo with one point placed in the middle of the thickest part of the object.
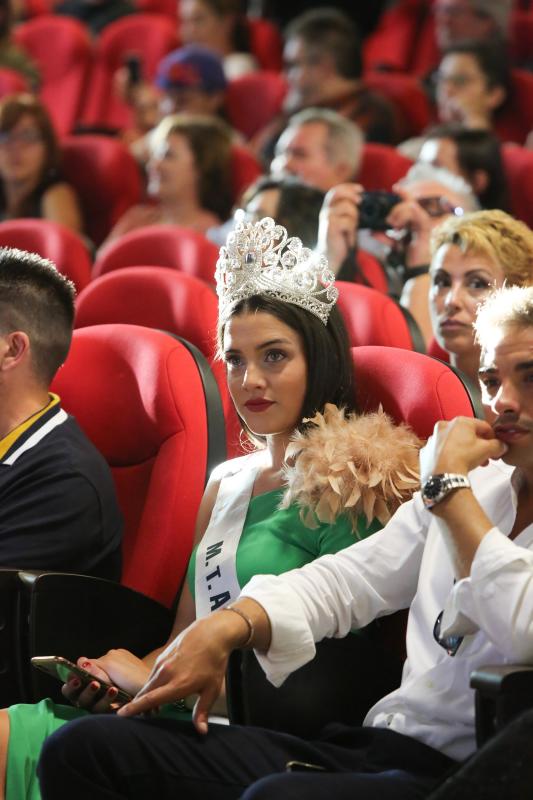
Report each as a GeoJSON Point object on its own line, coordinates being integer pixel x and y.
{"type": "Point", "coordinates": [411, 387]}
{"type": "Point", "coordinates": [373, 318]}
{"type": "Point", "coordinates": [62, 49]}
{"type": "Point", "coordinates": [50, 240]}
{"type": "Point", "coordinates": [151, 36]}
{"type": "Point", "coordinates": [254, 100]}
{"type": "Point", "coordinates": [265, 43]}
{"type": "Point", "coordinates": [518, 167]}
{"type": "Point", "coordinates": [106, 178]}
{"type": "Point", "coordinates": [245, 169]}
{"type": "Point", "coordinates": [381, 166]}
{"type": "Point", "coordinates": [161, 246]}
{"type": "Point", "coordinates": [168, 300]}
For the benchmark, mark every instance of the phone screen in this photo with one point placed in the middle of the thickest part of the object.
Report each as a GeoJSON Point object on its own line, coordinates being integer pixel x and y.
{"type": "Point", "coordinates": [63, 669]}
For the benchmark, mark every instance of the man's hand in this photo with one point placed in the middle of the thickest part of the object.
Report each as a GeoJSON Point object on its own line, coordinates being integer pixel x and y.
{"type": "Point", "coordinates": [459, 446]}
{"type": "Point", "coordinates": [409, 215]}
{"type": "Point", "coordinates": [195, 662]}
{"type": "Point", "coordinates": [338, 223]}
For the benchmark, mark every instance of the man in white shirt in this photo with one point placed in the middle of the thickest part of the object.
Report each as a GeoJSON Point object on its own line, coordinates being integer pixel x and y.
{"type": "Point", "coordinates": [460, 554]}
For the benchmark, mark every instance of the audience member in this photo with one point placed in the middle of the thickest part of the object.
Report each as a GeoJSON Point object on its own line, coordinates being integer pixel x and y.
{"type": "Point", "coordinates": [288, 361]}
{"type": "Point", "coordinates": [422, 200]}
{"type": "Point", "coordinates": [189, 177]}
{"type": "Point", "coordinates": [31, 184]}
{"type": "Point", "coordinates": [289, 201]}
{"type": "Point", "coordinates": [190, 79]}
{"type": "Point", "coordinates": [458, 555]}
{"type": "Point", "coordinates": [320, 147]}
{"type": "Point", "coordinates": [221, 26]}
{"type": "Point", "coordinates": [12, 56]}
{"type": "Point", "coordinates": [323, 67]}
{"type": "Point", "coordinates": [470, 257]}
{"type": "Point", "coordinates": [476, 20]}
{"type": "Point", "coordinates": [96, 14]}
{"type": "Point", "coordinates": [475, 154]}
{"type": "Point", "coordinates": [57, 498]}
{"type": "Point", "coordinates": [472, 84]}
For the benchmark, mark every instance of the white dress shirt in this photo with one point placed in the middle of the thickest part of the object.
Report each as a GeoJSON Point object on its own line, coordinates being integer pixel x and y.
{"type": "Point", "coordinates": [408, 564]}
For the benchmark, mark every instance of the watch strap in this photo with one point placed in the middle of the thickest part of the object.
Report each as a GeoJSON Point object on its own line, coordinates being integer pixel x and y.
{"type": "Point", "coordinates": [439, 486]}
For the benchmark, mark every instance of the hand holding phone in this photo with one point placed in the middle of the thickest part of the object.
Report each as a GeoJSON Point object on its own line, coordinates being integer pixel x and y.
{"type": "Point", "coordinates": [64, 670]}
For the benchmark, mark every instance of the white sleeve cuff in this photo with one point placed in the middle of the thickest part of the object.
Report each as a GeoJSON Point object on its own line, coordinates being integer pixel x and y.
{"type": "Point", "coordinates": [292, 644]}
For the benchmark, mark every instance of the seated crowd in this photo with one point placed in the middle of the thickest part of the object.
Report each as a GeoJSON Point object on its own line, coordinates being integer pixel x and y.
{"type": "Point", "coordinates": [326, 517]}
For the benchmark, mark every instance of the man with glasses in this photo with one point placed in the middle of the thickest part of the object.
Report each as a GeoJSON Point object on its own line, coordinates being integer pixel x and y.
{"type": "Point", "coordinates": [476, 20]}
{"type": "Point", "coordinates": [459, 555]}
{"type": "Point", "coordinates": [423, 198]}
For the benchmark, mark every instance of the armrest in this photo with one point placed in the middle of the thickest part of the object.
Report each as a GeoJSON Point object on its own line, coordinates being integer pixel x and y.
{"type": "Point", "coordinates": [502, 692]}
{"type": "Point", "coordinates": [71, 615]}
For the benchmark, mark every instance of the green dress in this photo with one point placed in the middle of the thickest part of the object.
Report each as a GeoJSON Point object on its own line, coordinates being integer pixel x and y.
{"type": "Point", "coordinates": [272, 541]}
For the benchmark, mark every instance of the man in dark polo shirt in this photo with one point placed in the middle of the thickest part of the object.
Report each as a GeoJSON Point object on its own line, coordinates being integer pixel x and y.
{"type": "Point", "coordinates": [57, 502]}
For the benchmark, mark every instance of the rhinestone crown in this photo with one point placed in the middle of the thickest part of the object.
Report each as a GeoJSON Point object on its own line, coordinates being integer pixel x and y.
{"type": "Point", "coordinates": [260, 258]}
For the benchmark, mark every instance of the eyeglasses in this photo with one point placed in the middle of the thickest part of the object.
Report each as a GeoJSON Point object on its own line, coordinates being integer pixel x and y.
{"type": "Point", "coordinates": [459, 80]}
{"type": "Point", "coordinates": [439, 207]}
{"type": "Point", "coordinates": [20, 137]}
{"type": "Point", "coordinates": [450, 643]}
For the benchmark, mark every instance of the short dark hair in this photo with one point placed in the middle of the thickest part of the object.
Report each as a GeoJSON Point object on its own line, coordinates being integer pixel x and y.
{"type": "Point", "coordinates": [491, 57]}
{"type": "Point", "coordinates": [37, 299]}
{"type": "Point", "coordinates": [478, 148]}
{"type": "Point", "coordinates": [331, 32]}
{"type": "Point", "coordinates": [298, 205]}
{"type": "Point", "coordinates": [326, 349]}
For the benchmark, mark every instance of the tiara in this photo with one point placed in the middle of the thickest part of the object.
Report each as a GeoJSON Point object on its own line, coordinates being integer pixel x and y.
{"type": "Point", "coordinates": [260, 258]}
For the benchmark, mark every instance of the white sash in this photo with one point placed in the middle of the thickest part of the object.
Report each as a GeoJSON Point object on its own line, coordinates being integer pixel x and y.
{"type": "Point", "coordinates": [216, 582]}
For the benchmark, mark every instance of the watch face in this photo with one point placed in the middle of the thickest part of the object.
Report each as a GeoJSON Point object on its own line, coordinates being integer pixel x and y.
{"type": "Point", "coordinates": [433, 487]}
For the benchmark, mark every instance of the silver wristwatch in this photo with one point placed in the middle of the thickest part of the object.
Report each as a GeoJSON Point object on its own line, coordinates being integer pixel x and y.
{"type": "Point", "coordinates": [437, 487]}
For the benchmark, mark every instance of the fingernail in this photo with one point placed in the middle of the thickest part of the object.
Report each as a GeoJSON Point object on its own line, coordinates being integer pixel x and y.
{"type": "Point", "coordinates": [75, 683]}
{"type": "Point", "coordinates": [86, 664]}
{"type": "Point", "coordinates": [112, 691]}
{"type": "Point", "coordinates": [94, 686]}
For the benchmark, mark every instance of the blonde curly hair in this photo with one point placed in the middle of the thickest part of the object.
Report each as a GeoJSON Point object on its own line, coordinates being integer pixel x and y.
{"type": "Point", "coordinates": [494, 234]}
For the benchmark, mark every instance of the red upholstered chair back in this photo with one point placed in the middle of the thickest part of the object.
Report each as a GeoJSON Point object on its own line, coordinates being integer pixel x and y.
{"type": "Point", "coordinates": [381, 166]}
{"type": "Point", "coordinates": [156, 297]}
{"type": "Point", "coordinates": [373, 318]}
{"type": "Point", "coordinates": [245, 169]}
{"type": "Point", "coordinates": [163, 298]}
{"type": "Point", "coordinates": [106, 178]}
{"type": "Point", "coordinates": [151, 36]}
{"type": "Point", "coordinates": [50, 240]}
{"type": "Point", "coordinates": [372, 272]}
{"type": "Point", "coordinates": [411, 387]}
{"type": "Point", "coordinates": [407, 94]}
{"type": "Point", "coordinates": [265, 43]}
{"type": "Point", "coordinates": [12, 82]}
{"type": "Point", "coordinates": [518, 167]}
{"type": "Point", "coordinates": [62, 49]}
{"type": "Point", "coordinates": [161, 246]}
{"type": "Point", "coordinates": [515, 120]}
{"type": "Point", "coordinates": [139, 396]}
{"type": "Point", "coordinates": [253, 100]}
{"type": "Point", "coordinates": [435, 351]}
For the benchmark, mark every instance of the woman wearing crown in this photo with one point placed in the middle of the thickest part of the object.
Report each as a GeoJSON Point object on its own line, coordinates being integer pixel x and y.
{"type": "Point", "coordinates": [315, 482]}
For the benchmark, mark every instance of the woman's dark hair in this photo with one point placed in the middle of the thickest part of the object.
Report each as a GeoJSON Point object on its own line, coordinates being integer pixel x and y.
{"type": "Point", "coordinates": [210, 142]}
{"type": "Point", "coordinates": [326, 349]}
{"type": "Point", "coordinates": [12, 109]}
{"type": "Point", "coordinates": [298, 205]}
{"type": "Point", "coordinates": [478, 149]}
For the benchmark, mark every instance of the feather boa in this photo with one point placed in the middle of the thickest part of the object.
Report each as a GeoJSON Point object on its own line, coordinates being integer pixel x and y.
{"type": "Point", "coordinates": [353, 465]}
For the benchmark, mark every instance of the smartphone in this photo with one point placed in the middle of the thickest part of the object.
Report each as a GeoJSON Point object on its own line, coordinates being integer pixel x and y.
{"type": "Point", "coordinates": [132, 62]}
{"type": "Point", "coordinates": [63, 669]}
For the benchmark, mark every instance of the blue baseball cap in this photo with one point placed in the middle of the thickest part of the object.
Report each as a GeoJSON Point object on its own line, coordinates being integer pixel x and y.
{"type": "Point", "coordinates": [191, 67]}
